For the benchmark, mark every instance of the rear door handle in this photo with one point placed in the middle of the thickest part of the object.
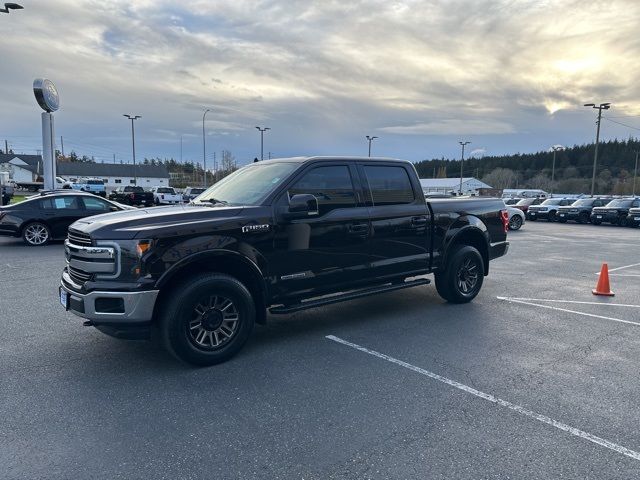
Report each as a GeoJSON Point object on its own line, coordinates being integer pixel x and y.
{"type": "Point", "coordinates": [418, 221]}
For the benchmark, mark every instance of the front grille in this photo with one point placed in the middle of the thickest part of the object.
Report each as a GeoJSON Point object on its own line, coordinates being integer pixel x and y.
{"type": "Point", "coordinates": [79, 238]}
{"type": "Point", "coordinates": [79, 276]}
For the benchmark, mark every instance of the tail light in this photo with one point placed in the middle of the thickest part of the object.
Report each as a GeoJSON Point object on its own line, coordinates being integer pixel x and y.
{"type": "Point", "coordinates": [504, 215]}
{"type": "Point", "coordinates": [132, 196]}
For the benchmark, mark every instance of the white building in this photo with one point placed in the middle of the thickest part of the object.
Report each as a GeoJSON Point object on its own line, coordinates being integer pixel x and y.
{"type": "Point", "coordinates": [470, 185]}
{"type": "Point", "coordinates": [116, 174]}
{"type": "Point", "coordinates": [21, 168]}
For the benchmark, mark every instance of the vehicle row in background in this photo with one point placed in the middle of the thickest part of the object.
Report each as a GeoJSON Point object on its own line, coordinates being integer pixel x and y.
{"type": "Point", "coordinates": [623, 211]}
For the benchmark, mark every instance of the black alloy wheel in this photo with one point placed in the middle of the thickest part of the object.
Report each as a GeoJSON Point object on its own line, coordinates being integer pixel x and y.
{"type": "Point", "coordinates": [207, 319]}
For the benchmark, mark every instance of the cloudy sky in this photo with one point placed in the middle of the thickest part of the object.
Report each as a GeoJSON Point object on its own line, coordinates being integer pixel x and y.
{"type": "Point", "coordinates": [508, 75]}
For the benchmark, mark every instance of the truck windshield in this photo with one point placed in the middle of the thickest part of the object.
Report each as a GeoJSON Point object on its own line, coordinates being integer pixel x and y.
{"type": "Point", "coordinates": [133, 189]}
{"type": "Point", "coordinates": [166, 190]}
{"type": "Point", "coordinates": [585, 202]}
{"type": "Point", "coordinates": [249, 185]}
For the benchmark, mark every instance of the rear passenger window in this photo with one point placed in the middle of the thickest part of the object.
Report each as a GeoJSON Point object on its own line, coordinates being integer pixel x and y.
{"type": "Point", "coordinates": [332, 186]}
{"type": "Point", "coordinates": [389, 185]}
{"type": "Point", "coordinates": [60, 203]}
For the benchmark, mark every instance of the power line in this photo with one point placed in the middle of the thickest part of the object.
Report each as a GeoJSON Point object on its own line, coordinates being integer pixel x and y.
{"type": "Point", "coordinates": [620, 123]}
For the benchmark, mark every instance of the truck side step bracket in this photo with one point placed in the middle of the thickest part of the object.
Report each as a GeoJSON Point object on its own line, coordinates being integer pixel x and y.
{"type": "Point", "coordinates": [352, 295]}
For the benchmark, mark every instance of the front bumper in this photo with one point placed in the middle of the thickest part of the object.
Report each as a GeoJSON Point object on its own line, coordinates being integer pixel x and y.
{"type": "Point", "coordinates": [605, 217]}
{"type": "Point", "coordinates": [105, 307]}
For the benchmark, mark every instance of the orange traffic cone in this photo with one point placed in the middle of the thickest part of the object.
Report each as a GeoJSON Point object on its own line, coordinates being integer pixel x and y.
{"type": "Point", "coordinates": [603, 288]}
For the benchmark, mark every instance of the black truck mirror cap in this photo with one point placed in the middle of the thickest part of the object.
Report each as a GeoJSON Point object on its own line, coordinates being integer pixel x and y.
{"type": "Point", "coordinates": [303, 204]}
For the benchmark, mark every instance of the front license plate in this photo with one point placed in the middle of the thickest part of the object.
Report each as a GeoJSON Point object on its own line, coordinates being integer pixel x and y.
{"type": "Point", "coordinates": [533, 214]}
{"type": "Point", "coordinates": [64, 299]}
{"type": "Point", "coordinates": [562, 214]}
{"type": "Point", "coordinates": [598, 216]}
{"type": "Point", "coordinates": [636, 218]}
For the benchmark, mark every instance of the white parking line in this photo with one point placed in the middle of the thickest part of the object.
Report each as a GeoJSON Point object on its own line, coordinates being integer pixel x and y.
{"type": "Point", "coordinates": [611, 319]}
{"type": "Point", "coordinates": [504, 403]}
{"type": "Point", "coordinates": [626, 266]}
{"type": "Point", "coordinates": [569, 301]}
{"type": "Point", "coordinates": [622, 268]}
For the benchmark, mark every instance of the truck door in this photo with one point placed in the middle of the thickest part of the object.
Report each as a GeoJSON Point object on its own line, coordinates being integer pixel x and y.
{"type": "Point", "coordinates": [400, 220]}
{"type": "Point", "coordinates": [328, 250]}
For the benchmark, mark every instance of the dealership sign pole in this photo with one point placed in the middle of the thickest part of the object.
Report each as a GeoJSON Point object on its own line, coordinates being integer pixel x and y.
{"type": "Point", "coordinates": [48, 99]}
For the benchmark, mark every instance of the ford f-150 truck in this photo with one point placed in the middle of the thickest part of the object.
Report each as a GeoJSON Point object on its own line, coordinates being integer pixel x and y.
{"type": "Point", "coordinates": [281, 235]}
{"type": "Point", "coordinates": [132, 195]}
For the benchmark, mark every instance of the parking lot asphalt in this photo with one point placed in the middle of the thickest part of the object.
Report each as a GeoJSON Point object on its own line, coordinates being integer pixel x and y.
{"type": "Point", "coordinates": [406, 386]}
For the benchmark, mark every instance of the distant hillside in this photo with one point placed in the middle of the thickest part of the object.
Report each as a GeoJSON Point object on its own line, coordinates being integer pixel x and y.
{"type": "Point", "coordinates": [616, 161]}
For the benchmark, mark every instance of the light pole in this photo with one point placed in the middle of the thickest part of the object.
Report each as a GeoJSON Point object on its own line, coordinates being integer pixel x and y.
{"type": "Point", "coordinates": [371, 139]}
{"type": "Point", "coordinates": [602, 106]}
{"type": "Point", "coordinates": [262, 130]}
{"type": "Point", "coordinates": [462, 163]}
{"type": "Point", "coordinates": [11, 6]}
{"type": "Point", "coordinates": [553, 165]}
{"type": "Point", "coordinates": [204, 148]}
{"type": "Point", "coordinates": [133, 143]}
{"type": "Point", "coordinates": [635, 174]}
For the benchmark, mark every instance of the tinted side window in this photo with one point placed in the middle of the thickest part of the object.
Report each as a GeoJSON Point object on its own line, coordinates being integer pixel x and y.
{"type": "Point", "coordinates": [60, 203]}
{"type": "Point", "coordinates": [95, 204]}
{"type": "Point", "coordinates": [389, 185]}
{"type": "Point", "coordinates": [332, 186]}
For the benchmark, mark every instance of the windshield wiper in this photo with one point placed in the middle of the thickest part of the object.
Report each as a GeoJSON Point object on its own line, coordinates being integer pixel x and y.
{"type": "Point", "coordinates": [215, 201]}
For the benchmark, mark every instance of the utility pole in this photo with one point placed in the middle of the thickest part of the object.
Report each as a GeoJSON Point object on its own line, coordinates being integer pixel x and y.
{"type": "Point", "coordinates": [370, 139]}
{"type": "Point", "coordinates": [204, 148]}
{"type": "Point", "coordinates": [215, 167]}
{"type": "Point", "coordinates": [602, 106]}
{"type": "Point", "coordinates": [180, 148]}
{"type": "Point", "coordinates": [553, 166]}
{"type": "Point", "coordinates": [262, 130]}
{"type": "Point", "coordinates": [635, 174]}
{"type": "Point", "coordinates": [62, 145]}
{"type": "Point", "coordinates": [462, 163]}
{"type": "Point", "coordinates": [269, 155]}
{"type": "Point", "coordinates": [6, 146]}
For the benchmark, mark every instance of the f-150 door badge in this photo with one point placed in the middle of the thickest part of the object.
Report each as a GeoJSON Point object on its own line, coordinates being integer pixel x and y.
{"type": "Point", "coordinates": [256, 228]}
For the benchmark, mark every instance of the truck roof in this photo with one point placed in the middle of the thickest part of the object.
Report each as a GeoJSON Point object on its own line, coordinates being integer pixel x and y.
{"type": "Point", "coordinates": [332, 159]}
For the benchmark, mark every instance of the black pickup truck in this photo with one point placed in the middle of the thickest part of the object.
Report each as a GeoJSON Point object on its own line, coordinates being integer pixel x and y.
{"type": "Point", "coordinates": [280, 235]}
{"type": "Point", "coordinates": [132, 195]}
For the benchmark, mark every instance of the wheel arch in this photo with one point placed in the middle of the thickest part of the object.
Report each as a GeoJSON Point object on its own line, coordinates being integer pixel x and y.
{"type": "Point", "coordinates": [220, 261]}
{"type": "Point", "coordinates": [474, 236]}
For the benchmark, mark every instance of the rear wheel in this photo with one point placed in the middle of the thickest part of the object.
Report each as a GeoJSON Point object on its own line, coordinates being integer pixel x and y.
{"type": "Point", "coordinates": [36, 234]}
{"type": "Point", "coordinates": [462, 280]}
{"type": "Point", "coordinates": [515, 222]}
{"type": "Point", "coordinates": [208, 319]}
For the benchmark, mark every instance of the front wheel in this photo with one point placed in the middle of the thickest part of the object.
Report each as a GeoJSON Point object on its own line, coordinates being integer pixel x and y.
{"type": "Point", "coordinates": [462, 280]}
{"type": "Point", "coordinates": [208, 319]}
{"type": "Point", "coordinates": [551, 216]}
{"type": "Point", "coordinates": [36, 234]}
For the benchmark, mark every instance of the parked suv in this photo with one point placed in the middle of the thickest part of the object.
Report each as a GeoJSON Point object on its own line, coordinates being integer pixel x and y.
{"type": "Point", "coordinates": [580, 210]}
{"type": "Point", "coordinates": [548, 209]}
{"type": "Point", "coordinates": [525, 203]}
{"type": "Point", "coordinates": [615, 212]}
{"type": "Point", "coordinates": [633, 219]}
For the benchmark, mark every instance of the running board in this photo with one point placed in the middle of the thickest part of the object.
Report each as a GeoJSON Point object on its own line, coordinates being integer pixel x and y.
{"type": "Point", "coordinates": [296, 307]}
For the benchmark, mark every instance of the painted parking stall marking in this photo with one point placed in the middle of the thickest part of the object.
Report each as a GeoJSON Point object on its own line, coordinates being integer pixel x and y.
{"type": "Point", "coordinates": [493, 399]}
{"type": "Point", "coordinates": [559, 309]}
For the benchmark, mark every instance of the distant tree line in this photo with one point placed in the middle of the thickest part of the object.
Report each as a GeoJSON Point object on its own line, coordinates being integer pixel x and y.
{"type": "Point", "coordinates": [574, 166]}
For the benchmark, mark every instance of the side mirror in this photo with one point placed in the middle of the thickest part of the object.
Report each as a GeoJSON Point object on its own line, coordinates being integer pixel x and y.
{"type": "Point", "coordinates": [303, 205]}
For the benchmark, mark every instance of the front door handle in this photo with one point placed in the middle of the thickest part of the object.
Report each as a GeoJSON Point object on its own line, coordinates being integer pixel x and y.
{"type": "Point", "coordinates": [418, 221]}
{"type": "Point", "coordinates": [361, 229]}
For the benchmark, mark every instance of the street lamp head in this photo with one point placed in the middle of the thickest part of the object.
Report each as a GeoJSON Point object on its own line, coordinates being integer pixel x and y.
{"type": "Point", "coordinates": [370, 138]}
{"type": "Point", "coordinates": [11, 6]}
{"type": "Point", "coordinates": [590, 105]}
{"type": "Point", "coordinates": [131, 117]}
{"type": "Point", "coordinates": [605, 106]}
{"type": "Point", "coordinates": [464, 143]}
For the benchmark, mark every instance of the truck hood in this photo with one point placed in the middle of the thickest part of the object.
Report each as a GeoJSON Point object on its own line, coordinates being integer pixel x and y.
{"type": "Point", "coordinates": [149, 222]}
